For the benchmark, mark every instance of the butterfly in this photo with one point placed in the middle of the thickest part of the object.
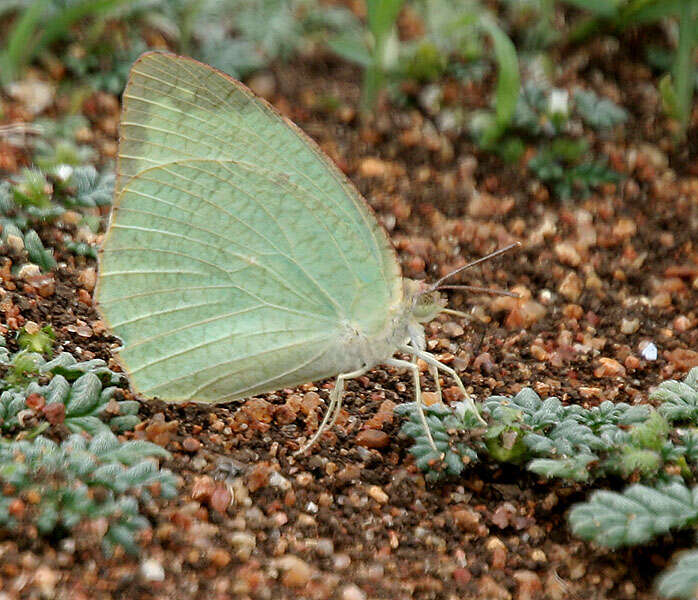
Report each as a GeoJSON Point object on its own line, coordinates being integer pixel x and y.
{"type": "Point", "coordinates": [239, 259]}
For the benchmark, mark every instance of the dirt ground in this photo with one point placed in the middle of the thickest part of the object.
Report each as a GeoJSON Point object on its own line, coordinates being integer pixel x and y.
{"type": "Point", "coordinates": [598, 277]}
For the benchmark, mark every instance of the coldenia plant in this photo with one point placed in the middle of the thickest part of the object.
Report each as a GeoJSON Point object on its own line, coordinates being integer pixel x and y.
{"type": "Point", "coordinates": [658, 448]}
{"type": "Point", "coordinates": [552, 118]}
{"type": "Point", "coordinates": [70, 483]}
{"type": "Point", "coordinates": [61, 465]}
{"type": "Point", "coordinates": [59, 181]}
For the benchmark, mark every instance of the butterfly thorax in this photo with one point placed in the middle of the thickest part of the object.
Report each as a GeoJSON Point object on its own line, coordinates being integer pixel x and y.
{"type": "Point", "coordinates": [404, 325]}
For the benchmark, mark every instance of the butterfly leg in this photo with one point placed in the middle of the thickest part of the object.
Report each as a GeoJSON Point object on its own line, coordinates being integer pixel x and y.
{"type": "Point", "coordinates": [340, 393]}
{"type": "Point", "coordinates": [430, 360]}
{"type": "Point", "coordinates": [410, 366]}
{"type": "Point", "coordinates": [334, 407]}
{"type": "Point", "coordinates": [434, 372]}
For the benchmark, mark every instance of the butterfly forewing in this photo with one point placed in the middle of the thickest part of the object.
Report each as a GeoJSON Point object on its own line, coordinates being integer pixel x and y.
{"type": "Point", "coordinates": [177, 108]}
{"type": "Point", "coordinates": [236, 251]}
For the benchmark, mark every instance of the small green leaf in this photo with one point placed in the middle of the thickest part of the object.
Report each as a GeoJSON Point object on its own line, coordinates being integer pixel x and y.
{"type": "Point", "coordinates": [680, 580]}
{"type": "Point", "coordinates": [599, 113]}
{"type": "Point", "coordinates": [91, 188]}
{"type": "Point", "coordinates": [508, 80]}
{"type": "Point", "coordinates": [679, 399]}
{"type": "Point", "coordinates": [634, 516]}
{"type": "Point", "coordinates": [351, 47]}
{"type": "Point", "coordinates": [124, 422]}
{"type": "Point", "coordinates": [84, 395]}
{"type": "Point", "coordinates": [381, 16]}
{"type": "Point", "coordinates": [36, 251]}
{"type": "Point", "coordinates": [41, 341]}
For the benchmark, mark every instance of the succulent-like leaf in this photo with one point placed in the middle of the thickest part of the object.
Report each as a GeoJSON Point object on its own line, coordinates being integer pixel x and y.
{"type": "Point", "coordinates": [65, 364]}
{"type": "Point", "coordinates": [36, 251]}
{"type": "Point", "coordinates": [63, 475]}
{"type": "Point", "coordinates": [84, 396]}
{"type": "Point", "coordinates": [92, 188]}
{"type": "Point", "coordinates": [679, 398]}
{"type": "Point", "coordinates": [573, 468]}
{"type": "Point", "coordinates": [597, 112]}
{"type": "Point", "coordinates": [680, 580]}
{"type": "Point", "coordinates": [636, 515]}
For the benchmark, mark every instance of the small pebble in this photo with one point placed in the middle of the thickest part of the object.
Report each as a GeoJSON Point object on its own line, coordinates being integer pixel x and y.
{"type": "Point", "coordinates": [538, 352]}
{"type": "Point", "coordinates": [530, 586]}
{"type": "Point", "coordinates": [462, 576]}
{"type": "Point", "coordinates": [372, 438]}
{"type": "Point", "coordinates": [263, 84]}
{"type": "Point", "coordinates": [221, 498]}
{"type": "Point", "coordinates": [377, 493]}
{"type": "Point", "coordinates": [54, 412]}
{"type": "Point", "coordinates": [203, 488]}
{"type": "Point", "coordinates": [681, 324]}
{"type": "Point", "coordinates": [484, 363]}
{"type": "Point", "coordinates": [571, 287]}
{"type": "Point", "coordinates": [219, 557]}
{"type": "Point", "coordinates": [490, 589]}
{"type": "Point", "coordinates": [304, 479]}
{"type": "Point", "coordinates": [648, 351]}
{"type": "Point", "coordinates": [341, 561]}
{"type": "Point", "coordinates": [278, 481]}
{"type": "Point", "coordinates": [152, 570]}
{"type": "Point", "coordinates": [243, 544]}
{"type": "Point", "coordinates": [46, 579]}
{"type": "Point", "coordinates": [28, 270]}
{"type": "Point", "coordinates": [661, 300]}
{"type": "Point", "coordinates": [567, 254]}
{"type": "Point", "coordinates": [352, 592]}
{"type": "Point", "coordinates": [628, 326]}
{"type": "Point", "coordinates": [609, 367]}
{"type": "Point", "coordinates": [452, 329]}
{"type": "Point", "coordinates": [88, 278]}
{"type": "Point", "coordinates": [498, 552]}
{"type": "Point", "coordinates": [324, 547]}
{"type": "Point", "coordinates": [682, 358]}
{"type": "Point", "coordinates": [632, 362]}
{"type": "Point", "coordinates": [305, 520]}
{"type": "Point", "coordinates": [373, 167]}
{"type": "Point", "coordinates": [191, 444]}
{"type": "Point", "coordinates": [296, 571]}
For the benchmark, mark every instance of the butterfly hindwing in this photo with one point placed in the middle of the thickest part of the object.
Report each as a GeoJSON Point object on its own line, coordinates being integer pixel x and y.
{"type": "Point", "coordinates": [216, 293]}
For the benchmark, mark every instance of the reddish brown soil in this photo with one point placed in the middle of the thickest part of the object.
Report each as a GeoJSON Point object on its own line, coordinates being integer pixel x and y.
{"type": "Point", "coordinates": [348, 522]}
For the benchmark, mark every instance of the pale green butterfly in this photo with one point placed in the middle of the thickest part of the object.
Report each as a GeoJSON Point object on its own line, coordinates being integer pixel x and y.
{"type": "Point", "coordinates": [239, 260]}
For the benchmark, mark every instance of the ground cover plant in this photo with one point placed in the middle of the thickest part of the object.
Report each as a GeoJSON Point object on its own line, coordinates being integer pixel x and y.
{"type": "Point", "coordinates": [677, 86]}
{"type": "Point", "coordinates": [658, 448]}
{"type": "Point", "coordinates": [566, 126]}
{"type": "Point", "coordinates": [63, 467]}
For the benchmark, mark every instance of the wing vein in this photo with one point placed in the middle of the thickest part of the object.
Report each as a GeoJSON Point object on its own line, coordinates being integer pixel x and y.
{"type": "Point", "coordinates": [280, 280]}
{"type": "Point", "coordinates": [165, 312]}
{"type": "Point", "coordinates": [266, 112]}
{"type": "Point", "coordinates": [165, 291]}
{"type": "Point", "coordinates": [374, 248]}
{"type": "Point", "coordinates": [216, 341]}
{"type": "Point", "coordinates": [266, 381]}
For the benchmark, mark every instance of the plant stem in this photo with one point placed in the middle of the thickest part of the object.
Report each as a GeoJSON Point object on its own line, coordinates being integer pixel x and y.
{"type": "Point", "coordinates": [683, 70]}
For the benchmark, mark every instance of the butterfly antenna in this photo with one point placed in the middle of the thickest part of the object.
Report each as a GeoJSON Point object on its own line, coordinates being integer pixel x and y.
{"type": "Point", "coordinates": [439, 282]}
{"type": "Point", "coordinates": [480, 290]}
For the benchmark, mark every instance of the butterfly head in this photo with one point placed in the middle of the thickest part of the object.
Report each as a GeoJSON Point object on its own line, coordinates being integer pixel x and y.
{"type": "Point", "coordinates": [425, 302]}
